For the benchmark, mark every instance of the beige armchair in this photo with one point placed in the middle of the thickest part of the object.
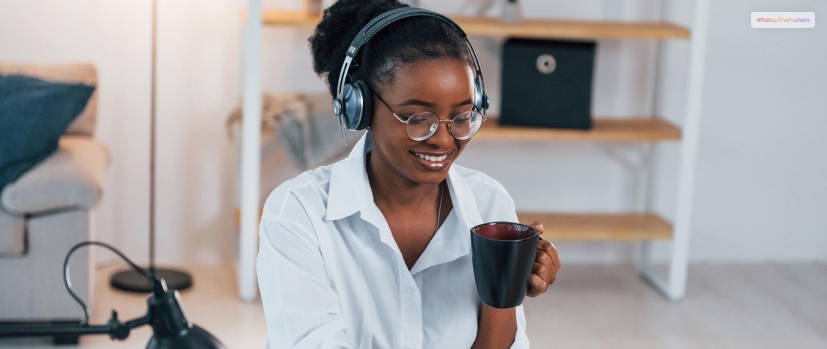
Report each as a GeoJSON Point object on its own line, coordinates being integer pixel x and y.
{"type": "Point", "coordinates": [47, 210]}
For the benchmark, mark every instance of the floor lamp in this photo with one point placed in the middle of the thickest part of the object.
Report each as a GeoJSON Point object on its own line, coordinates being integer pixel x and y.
{"type": "Point", "coordinates": [129, 280]}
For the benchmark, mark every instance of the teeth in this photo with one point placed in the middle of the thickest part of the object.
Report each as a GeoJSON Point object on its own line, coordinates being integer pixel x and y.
{"type": "Point", "coordinates": [432, 158]}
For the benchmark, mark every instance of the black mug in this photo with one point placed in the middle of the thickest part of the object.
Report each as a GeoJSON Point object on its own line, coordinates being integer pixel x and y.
{"type": "Point", "coordinates": [503, 256]}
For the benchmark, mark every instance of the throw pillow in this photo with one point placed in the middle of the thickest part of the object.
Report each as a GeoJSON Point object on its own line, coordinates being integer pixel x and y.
{"type": "Point", "coordinates": [34, 113]}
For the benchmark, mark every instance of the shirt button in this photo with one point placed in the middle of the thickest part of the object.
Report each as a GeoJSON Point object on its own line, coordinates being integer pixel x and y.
{"type": "Point", "coordinates": [411, 290]}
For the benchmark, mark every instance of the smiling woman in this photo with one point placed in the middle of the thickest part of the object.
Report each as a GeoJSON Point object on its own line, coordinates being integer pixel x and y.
{"type": "Point", "coordinates": [374, 251]}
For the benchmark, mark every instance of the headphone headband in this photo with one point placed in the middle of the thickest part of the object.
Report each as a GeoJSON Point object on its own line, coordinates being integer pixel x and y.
{"type": "Point", "coordinates": [385, 19]}
{"type": "Point", "coordinates": [380, 22]}
{"type": "Point", "coordinates": [351, 98]}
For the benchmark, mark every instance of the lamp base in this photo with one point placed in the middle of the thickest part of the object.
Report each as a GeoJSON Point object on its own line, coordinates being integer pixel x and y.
{"type": "Point", "coordinates": [130, 281]}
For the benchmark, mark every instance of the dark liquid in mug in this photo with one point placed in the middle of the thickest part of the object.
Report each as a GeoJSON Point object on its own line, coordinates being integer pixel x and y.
{"type": "Point", "coordinates": [505, 231]}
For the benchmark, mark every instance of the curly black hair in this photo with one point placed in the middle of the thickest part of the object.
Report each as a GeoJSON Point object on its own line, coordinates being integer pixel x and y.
{"type": "Point", "coordinates": [409, 40]}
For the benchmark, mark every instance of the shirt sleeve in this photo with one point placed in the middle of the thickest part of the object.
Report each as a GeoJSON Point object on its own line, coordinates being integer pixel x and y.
{"type": "Point", "coordinates": [520, 338]}
{"type": "Point", "coordinates": [300, 307]}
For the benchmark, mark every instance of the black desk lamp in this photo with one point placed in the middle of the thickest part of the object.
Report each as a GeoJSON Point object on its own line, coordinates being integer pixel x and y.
{"type": "Point", "coordinates": [170, 326]}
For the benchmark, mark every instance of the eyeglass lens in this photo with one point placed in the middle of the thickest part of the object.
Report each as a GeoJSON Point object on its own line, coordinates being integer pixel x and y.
{"type": "Point", "coordinates": [421, 126]}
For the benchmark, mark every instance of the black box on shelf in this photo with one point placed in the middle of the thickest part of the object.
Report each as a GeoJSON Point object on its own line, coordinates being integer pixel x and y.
{"type": "Point", "coordinates": [547, 83]}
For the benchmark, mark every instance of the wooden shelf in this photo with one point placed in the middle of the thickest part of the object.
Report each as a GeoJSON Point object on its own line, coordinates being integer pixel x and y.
{"type": "Point", "coordinates": [592, 226]}
{"type": "Point", "coordinates": [528, 28]}
{"type": "Point", "coordinates": [603, 130]}
{"type": "Point", "coordinates": [600, 227]}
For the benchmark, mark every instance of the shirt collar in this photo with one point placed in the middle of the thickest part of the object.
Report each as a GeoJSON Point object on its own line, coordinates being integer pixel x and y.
{"type": "Point", "coordinates": [350, 193]}
{"type": "Point", "coordinates": [349, 185]}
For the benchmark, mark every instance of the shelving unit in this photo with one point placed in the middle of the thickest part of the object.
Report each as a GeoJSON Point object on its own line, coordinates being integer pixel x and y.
{"type": "Point", "coordinates": [643, 227]}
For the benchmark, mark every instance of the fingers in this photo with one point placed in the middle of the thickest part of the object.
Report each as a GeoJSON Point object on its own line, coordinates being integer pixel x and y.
{"type": "Point", "coordinates": [555, 258]}
{"type": "Point", "coordinates": [543, 257]}
{"type": "Point", "coordinates": [539, 269]}
{"type": "Point", "coordinates": [548, 275]}
{"type": "Point", "coordinates": [536, 286]}
{"type": "Point", "coordinates": [538, 226]}
{"type": "Point", "coordinates": [546, 265]}
{"type": "Point", "coordinates": [544, 245]}
{"type": "Point", "coordinates": [546, 262]}
{"type": "Point", "coordinates": [551, 250]}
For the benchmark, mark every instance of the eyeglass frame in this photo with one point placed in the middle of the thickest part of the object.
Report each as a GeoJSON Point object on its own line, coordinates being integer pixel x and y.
{"type": "Point", "coordinates": [449, 121]}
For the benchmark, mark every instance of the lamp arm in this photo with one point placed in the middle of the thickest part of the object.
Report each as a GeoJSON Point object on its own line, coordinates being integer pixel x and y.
{"type": "Point", "coordinates": [114, 328]}
{"type": "Point", "coordinates": [145, 320]}
{"type": "Point", "coordinates": [51, 330]}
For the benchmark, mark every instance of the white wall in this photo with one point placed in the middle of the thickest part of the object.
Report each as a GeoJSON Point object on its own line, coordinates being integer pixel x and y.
{"type": "Point", "coordinates": [198, 50]}
{"type": "Point", "coordinates": [761, 191]}
{"type": "Point", "coordinates": [198, 85]}
{"type": "Point", "coordinates": [759, 187]}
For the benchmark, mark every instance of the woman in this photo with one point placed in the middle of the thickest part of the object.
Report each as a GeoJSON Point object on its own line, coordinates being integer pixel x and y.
{"type": "Point", "coordinates": [374, 251]}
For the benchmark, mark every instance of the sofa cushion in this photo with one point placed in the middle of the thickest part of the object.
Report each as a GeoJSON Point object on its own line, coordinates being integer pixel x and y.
{"type": "Point", "coordinates": [34, 114]}
{"type": "Point", "coordinates": [12, 229]}
{"type": "Point", "coordinates": [70, 178]}
{"type": "Point", "coordinates": [69, 73]}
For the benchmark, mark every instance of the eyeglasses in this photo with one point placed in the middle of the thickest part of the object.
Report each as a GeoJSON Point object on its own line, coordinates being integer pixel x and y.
{"type": "Point", "coordinates": [423, 125]}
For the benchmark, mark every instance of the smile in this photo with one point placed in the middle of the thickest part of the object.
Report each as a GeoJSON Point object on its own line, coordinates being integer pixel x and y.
{"type": "Point", "coordinates": [432, 162]}
{"type": "Point", "coordinates": [432, 158]}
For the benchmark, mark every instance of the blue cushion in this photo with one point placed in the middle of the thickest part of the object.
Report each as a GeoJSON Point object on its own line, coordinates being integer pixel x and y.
{"type": "Point", "coordinates": [34, 114]}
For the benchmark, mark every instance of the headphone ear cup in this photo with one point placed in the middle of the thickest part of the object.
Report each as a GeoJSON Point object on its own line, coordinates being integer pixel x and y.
{"type": "Point", "coordinates": [480, 98]}
{"type": "Point", "coordinates": [351, 105]}
{"type": "Point", "coordinates": [366, 111]}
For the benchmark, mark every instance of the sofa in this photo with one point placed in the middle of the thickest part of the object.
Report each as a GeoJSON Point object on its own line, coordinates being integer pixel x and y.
{"type": "Point", "coordinates": [49, 209]}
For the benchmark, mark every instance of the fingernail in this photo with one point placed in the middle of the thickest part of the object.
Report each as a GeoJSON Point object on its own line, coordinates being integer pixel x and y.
{"type": "Point", "coordinates": [540, 225]}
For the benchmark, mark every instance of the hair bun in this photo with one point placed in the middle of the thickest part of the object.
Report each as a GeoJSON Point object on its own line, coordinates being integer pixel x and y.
{"type": "Point", "coordinates": [340, 24]}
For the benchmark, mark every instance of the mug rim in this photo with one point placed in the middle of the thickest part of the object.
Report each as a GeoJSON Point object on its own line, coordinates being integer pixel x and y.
{"type": "Point", "coordinates": [536, 233]}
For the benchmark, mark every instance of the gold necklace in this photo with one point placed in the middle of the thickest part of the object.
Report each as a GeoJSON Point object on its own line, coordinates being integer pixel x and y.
{"type": "Point", "coordinates": [439, 210]}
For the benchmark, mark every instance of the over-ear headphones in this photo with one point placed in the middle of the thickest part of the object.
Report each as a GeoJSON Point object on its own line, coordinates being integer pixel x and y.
{"type": "Point", "coordinates": [353, 104]}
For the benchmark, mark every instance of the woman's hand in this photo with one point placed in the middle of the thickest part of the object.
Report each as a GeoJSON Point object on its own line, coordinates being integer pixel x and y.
{"type": "Point", "coordinates": [546, 265]}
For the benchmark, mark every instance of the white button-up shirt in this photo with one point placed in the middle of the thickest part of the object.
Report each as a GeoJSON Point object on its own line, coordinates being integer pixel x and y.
{"type": "Point", "coordinates": [332, 276]}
